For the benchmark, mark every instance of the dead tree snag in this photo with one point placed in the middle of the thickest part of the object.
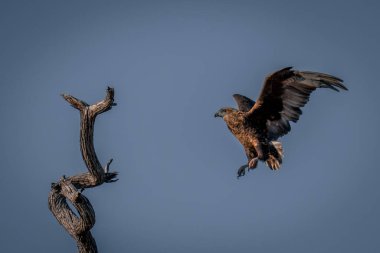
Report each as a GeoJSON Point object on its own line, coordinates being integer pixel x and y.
{"type": "Point", "coordinates": [70, 188]}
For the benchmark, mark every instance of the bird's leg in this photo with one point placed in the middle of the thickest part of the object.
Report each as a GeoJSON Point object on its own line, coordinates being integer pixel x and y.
{"type": "Point", "coordinates": [255, 152]}
{"type": "Point", "coordinates": [253, 163]}
{"type": "Point", "coordinates": [259, 154]}
{"type": "Point", "coordinates": [259, 149]}
{"type": "Point", "coordinates": [241, 170]}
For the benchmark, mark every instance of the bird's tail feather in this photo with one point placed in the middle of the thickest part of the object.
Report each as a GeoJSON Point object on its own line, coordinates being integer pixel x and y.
{"type": "Point", "coordinates": [275, 155]}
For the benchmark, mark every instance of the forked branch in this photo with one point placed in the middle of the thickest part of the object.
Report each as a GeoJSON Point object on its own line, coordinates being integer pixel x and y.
{"type": "Point", "coordinates": [70, 188]}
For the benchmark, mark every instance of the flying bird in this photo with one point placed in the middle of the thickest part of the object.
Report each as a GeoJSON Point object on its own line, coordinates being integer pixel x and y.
{"type": "Point", "coordinates": [258, 125]}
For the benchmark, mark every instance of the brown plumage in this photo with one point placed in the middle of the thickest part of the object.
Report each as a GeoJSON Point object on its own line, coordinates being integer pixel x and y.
{"type": "Point", "coordinates": [258, 125]}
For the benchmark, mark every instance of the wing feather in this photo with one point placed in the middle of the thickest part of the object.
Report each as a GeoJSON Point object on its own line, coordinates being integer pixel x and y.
{"type": "Point", "coordinates": [283, 95]}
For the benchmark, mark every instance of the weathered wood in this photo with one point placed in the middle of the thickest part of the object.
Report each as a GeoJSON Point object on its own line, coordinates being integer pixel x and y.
{"type": "Point", "coordinates": [70, 188]}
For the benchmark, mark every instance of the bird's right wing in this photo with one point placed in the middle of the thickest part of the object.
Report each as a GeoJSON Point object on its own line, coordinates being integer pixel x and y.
{"type": "Point", "coordinates": [283, 94]}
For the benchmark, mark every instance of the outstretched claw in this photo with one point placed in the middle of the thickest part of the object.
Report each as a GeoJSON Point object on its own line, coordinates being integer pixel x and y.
{"type": "Point", "coordinates": [253, 163]}
{"type": "Point", "coordinates": [241, 170]}
{"type": "Point", "coordinates": [107, 167]}
{"type": "Point", "coordinates": [110, 177]}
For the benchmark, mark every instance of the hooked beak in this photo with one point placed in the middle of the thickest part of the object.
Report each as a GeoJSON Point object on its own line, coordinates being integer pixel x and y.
{"type": "Point", "coordinates": [217, 114]}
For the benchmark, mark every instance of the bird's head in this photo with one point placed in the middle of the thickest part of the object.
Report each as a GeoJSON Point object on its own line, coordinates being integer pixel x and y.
{"type": "Point", "coordinates": [224, 111]}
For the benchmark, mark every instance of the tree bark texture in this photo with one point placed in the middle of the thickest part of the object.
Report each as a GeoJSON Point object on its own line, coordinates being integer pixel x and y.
{"type": "Point", "coordinates": [70, 188]}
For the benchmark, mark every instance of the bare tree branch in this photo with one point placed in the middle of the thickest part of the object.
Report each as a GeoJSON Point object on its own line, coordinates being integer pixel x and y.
{"type": "Point", "coordinates": [70, 188]}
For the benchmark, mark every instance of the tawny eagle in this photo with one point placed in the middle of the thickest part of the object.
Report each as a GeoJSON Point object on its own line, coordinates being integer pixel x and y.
{"type": "Point", "coordinates": [258, 125]}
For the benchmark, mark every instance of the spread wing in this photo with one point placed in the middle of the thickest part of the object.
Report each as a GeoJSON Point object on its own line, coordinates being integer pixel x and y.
{"type": "Point", "coordinates": [284, 93]}
{"type": "Point", "coordinates": [244, 104]}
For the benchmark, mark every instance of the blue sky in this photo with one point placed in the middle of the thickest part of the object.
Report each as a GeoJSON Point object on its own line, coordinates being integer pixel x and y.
{"type": "Point", "coordinates": [173, 64]}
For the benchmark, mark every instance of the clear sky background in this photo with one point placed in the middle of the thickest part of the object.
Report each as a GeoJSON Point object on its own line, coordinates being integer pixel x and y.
{"type": "Point", "coordinates": [173, 64]}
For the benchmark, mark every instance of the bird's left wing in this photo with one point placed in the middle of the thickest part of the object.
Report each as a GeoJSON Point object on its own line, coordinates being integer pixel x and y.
{"type": "Point", "coordinates": [244, 104]}
{"type": "Point", "coordinates": [284, 93]}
